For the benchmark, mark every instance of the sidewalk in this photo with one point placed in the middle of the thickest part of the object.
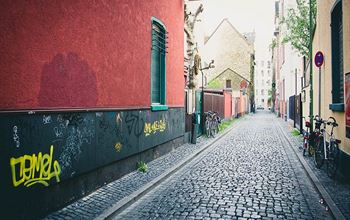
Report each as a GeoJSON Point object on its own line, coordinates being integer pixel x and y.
{"type": "Point", "coordinates": [337, 190]}
{"type": "Point", "coordinates": [115, 195]}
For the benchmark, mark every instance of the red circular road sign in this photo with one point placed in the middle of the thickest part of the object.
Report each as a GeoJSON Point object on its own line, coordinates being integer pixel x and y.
{"type": "Point", "coordinates": [319, 59]}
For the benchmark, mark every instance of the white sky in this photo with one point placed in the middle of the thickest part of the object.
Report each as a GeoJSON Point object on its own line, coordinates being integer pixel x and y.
{"type": "Point", "coordinates": [246, 16]}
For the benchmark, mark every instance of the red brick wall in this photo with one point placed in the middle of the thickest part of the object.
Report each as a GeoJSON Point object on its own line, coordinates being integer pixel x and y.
{"type": "Point", "coordinates": [84, 53]}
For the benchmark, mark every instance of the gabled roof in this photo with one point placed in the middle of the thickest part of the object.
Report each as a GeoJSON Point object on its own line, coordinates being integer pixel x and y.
{"type": "Point", "coordinates": [233, 28]}
{"type": "Point", "coordinates": [233, 72]}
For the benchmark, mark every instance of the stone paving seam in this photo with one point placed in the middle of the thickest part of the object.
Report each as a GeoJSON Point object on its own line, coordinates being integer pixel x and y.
{"type": "Point", "coordinates": [318, 185]}
{"type": "Point", "coordinates": [127, 201]}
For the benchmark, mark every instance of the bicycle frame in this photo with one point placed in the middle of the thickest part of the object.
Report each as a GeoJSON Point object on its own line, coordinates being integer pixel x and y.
{"type": "Point", "coordinates": [331, 139]}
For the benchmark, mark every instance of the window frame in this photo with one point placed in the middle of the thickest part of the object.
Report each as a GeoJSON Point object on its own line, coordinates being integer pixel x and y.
{"type": "Point", "coordinates": [159, 106]}
{"type": "Point", "coordinates": [337, 58]}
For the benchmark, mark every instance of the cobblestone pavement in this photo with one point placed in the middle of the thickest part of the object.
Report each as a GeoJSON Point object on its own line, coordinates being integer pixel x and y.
{"type": "Point", "coordinates": [105, 197]}
{"type": "Point", "coordinates": [337, 189]}
{"type": "Point", "coordinates": [250, 173]}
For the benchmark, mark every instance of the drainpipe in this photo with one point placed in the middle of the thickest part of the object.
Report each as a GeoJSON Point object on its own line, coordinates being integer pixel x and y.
{"type": "Point", "coordinates": [311, 64]}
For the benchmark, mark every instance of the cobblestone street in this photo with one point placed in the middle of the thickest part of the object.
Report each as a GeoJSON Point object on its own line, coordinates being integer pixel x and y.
{"type": "Point", "coordinates": [250, 173]}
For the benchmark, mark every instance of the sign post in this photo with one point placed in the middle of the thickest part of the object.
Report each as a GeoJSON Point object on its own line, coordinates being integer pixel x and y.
{"type": "Point", "coordinates": [318, 62]}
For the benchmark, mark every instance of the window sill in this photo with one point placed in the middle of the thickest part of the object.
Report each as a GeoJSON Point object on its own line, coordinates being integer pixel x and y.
{"type": "Point", "coordinates": [159, 107]}
{"type": "Point", "coordinates": [337, 107]}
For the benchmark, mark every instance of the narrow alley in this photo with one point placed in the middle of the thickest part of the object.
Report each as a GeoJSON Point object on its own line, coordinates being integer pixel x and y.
{"type": "Point", "coordinates": [250, 173]}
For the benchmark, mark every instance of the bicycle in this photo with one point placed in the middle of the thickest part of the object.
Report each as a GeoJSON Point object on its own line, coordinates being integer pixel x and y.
{"type": "Point", "coordinates": [212, 121]}
{"type": "Point", "coordinates": [327, 151]}
{"type": "Point", "coordinates": [306, 144]}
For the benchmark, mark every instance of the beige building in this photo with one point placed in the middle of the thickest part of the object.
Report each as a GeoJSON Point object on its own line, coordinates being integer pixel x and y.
{"type": "Point", "coordinates": [233, 54]}
{"type": "Point", "coordinates": [332, 37]}
{"type": "Point", "coordinates": [229, 49]}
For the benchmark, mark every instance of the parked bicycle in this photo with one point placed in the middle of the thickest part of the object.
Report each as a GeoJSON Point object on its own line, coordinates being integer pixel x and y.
{"type": "Point", "coordinates": [307, 146]}
{"type": "Point", "coordinates": [212, 121]}
{"type": "Point", "coordinates": [311, 137]}
{"type": "Point", "coordinates": [327, 150]}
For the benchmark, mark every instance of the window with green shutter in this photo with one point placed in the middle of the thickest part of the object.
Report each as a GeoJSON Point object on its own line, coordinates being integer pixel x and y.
{"type": "Point", "coordinates": [158, 65]}
{"type": "Point", "coordinates": [337, 59]}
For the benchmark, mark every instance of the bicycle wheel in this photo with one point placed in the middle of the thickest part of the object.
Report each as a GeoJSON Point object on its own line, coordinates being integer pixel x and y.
{"type": "Point", "coordinates": [332, 160]}
{"type": "Point", "coordinates": [212, 128]}
{"type": "Point", "coordinates": [305, 145]}
{"type": "Point", "coordinates": [311, 150]}
{"type": "Point", "coordinates": [207, 128]}
{"type": "Point", "coordinates": [319, 152]}
{"type": "Point", "coordinates": [311, 147]}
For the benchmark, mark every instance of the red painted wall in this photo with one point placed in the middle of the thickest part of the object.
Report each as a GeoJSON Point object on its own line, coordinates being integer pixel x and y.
{"type": "Point", "coordinates": [228, 104]}
{"type": "Point", "coordinates": [84, 53]}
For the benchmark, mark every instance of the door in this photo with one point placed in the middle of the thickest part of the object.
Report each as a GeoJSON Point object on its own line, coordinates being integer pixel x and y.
{"type": "Point", "coordinates": [199, 111]}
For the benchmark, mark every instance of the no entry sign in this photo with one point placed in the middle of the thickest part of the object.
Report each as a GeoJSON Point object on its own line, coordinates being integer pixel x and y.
{"type": "Point", "coordinates": [319, 59]}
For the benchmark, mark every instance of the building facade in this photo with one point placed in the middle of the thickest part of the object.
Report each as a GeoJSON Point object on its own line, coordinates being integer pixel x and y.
{"type": "Point", "coordinates": [88, 89]}
{"type": "Point", "coordinates": [233, 56]}
{"type": "Point", "coordinates": [263, 84]}
{"type": "Point", "coordinates": [288, 72]}
{"type": "Point", "coordinates": [331, 82]}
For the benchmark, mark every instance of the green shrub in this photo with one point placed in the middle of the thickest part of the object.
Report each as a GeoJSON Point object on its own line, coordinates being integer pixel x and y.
{"type": "Point", "coordinates": [142, 167]}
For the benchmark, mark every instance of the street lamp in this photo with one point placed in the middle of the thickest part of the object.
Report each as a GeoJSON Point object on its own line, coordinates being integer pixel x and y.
{"type": "Point", "coordinates": [211, 65]}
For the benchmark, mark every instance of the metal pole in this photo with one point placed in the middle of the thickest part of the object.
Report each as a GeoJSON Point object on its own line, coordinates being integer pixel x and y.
{"type": "Point", "coordinates": [310, 67]}
{"type": "Point", "coordinates": [295, 97]}
{"type": "Point", "coordinates": [202, 102]}
{"type": "Point", "coordinates": [319, 91]}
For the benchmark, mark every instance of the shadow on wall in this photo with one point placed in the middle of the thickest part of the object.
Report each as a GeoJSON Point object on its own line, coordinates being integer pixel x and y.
{"type": "Point", "coordinates": [68, 81]}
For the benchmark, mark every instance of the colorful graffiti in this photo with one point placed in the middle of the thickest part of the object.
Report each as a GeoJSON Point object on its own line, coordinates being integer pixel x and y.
{"type": "Point", "coordinates": [152, 128]}
{"type": "Point", "coordinates": [32, 169]}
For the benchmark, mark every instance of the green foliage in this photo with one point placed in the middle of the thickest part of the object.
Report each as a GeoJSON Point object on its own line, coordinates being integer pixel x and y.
{"type": "Point", "coordinates": [214, 84]}
{"type": "Point", "coordinates": [225, 124]}
{"type": "Point", "coordinates": [273, 44]}
{"type": "Point", "coordinates": [295, 133]}
{"type": "Point", "coordinates": [142, 167]}
{"type": "Point", "coordinates": [298, 26]}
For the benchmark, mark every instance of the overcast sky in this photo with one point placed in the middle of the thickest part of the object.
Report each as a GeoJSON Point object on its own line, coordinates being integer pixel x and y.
{"type": "Point", "coordinates": [246, 16]}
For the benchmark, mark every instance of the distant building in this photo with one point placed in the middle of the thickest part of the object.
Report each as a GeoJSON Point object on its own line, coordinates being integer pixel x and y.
{"type": "Point", "coordinates": [263, 83]}
{"type": "Point", "coordinates": [234, 56]}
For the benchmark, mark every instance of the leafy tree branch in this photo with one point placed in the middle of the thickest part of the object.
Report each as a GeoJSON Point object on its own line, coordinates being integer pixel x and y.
{"type": "Point", "coordinates": [298, 26]}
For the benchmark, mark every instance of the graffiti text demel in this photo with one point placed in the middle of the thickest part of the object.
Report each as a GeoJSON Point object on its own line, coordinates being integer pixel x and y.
{"type": "Point", "coordinates": [32, 169]}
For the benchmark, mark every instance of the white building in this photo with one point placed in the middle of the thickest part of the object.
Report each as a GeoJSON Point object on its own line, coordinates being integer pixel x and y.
{"type": "Point", "coordinates": [263, 83]}
{"type": "Point", "coordinates": [290, 67]}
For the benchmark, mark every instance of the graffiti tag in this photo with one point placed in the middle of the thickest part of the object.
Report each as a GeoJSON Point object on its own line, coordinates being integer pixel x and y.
{"type": "Point", "coordinates": [134, 123]}
{"type": "Point", "coordinates": [32, 169]}
{"type": "Point", "coordinates": [15, 136]}
{"type": "Point", "coordinates": [152, 128]}
{"type": "Point", "coordinates": [46, 119]}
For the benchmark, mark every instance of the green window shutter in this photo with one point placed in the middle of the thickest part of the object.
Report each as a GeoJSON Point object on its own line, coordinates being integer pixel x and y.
{"type": "Point", "coordinates": [155, 77]}
{"type": "Point", "coordinates": [158, 64]}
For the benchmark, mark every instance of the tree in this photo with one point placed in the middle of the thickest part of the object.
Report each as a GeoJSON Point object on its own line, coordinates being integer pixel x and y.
{"type": "Point", "coordinates": [298, 26]}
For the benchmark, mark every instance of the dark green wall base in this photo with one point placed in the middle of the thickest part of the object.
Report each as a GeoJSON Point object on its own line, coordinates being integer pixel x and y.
{"type": "Point", "coordinates": [48, 160]}
{"type": "Point", "coordinates": [88, 183]}
{"type": "Point", "coordinates": [344, 167]}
